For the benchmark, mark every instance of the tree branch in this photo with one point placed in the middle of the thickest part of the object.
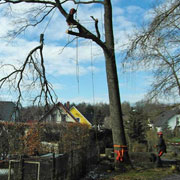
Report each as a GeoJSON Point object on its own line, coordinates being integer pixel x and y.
{"type": "Point", "coordinates": [96, 27]}
{"type": "Point", "coordinates": [88, 2]}
{"type": "Point", "coordinates": [28, 1]}
{"type": "Point", "coordinates": [83, 32]}
{"type": "Point", "coordinates": [46, 89]}
{"type": "Point", "coordinates": [24, 27]}
{"type": "Point", "coordinates": [67, 44]}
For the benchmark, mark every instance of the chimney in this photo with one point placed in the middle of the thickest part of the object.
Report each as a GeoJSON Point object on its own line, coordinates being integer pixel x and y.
{"type": "Point", "coordinates": [68, 105]}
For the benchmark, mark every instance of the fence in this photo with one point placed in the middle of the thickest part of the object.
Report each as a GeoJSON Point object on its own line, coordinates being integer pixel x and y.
{"type": "Point", "coordinates": [73, 144]}
{"type": "Point", "coordinates": [4, 170]}
{"type": "Point", "coordinates": [23, 170]}
{"type": "Point", "coordinates": [69, 166]}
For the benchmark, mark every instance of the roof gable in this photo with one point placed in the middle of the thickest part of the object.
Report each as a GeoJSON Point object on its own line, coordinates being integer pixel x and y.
{"type": "Point", "coordinates": [61, 107]}
{"type": "Point", "coordinates": [78, 114]}
{"type": "Point", "coordinates": [164, 117]}
{"type": "Point", "coordinates": [7, 109]}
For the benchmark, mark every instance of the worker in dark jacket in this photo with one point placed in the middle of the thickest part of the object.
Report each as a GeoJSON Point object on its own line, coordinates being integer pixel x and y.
{"type": "Point", "coordinates": [70, 16]}
{"type": "Point", "coordinates": [161, 148]}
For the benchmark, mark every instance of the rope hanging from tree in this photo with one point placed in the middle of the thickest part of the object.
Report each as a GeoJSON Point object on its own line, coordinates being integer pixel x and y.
{"type": "Point", "coordinates": [49, 21]}
{"type": "Point", "coordinates": [42, 34]}
{"type": "Point", "coordinates": [92, 73]}
{"type": "Point", "coordinates": [77, 50]}
{"type": "Point", "coordinates": [77, 63]}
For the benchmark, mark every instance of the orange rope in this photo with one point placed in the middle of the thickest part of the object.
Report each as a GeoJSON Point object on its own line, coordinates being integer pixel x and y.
{"type": "Point", "coordinates": [120, 153]}
{"type": "Point", "coordinates": [120, 146]}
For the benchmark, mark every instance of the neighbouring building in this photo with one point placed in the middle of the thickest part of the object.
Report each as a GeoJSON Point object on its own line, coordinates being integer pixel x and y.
{"type": "Point", "coordinates": [170, 119]}
{"type": "Point", "coordinates": [59, 113]}
{"type": "Point", "coordinates": [79, 116]}
{"type": "Point", "coordinates": [8, 111]}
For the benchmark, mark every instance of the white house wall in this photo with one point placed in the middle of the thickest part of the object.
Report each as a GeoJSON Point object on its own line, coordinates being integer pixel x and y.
{"type": "Point", "coordinates": [56, 116]}
{"type": "Point", "coordinates": [172, 121]}
{"type": "Point", "coordinates": [58, 119]}
{"type": "Point", "coordinates": [159, 129]}
{"type": "Point", "coordinates": [68, 117]}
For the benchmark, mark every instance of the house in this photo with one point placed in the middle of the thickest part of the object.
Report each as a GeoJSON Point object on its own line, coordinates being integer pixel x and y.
{"type": "Point", "coordinates": [8, 111]}
{"type": "Point", "coordinates": [59, 113]}
{"type": "Point", "coordinates": [74, 111]}
{"type": "Point", "coordinates": [170, 119]}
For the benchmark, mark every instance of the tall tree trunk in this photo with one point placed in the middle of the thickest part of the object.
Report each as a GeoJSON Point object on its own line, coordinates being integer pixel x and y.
{"type": "Point", "coordinates": [111, 71]}
{"type": "Point", "coordinates": [113, 84]}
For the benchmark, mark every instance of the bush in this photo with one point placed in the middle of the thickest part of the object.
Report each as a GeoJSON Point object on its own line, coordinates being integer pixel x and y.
{"type": "Point", "coordinates": [152, 140]}
{"type": "Point", "coordinates": [23, 138]}
{"type": "Point", "coordinates": [138, 147]}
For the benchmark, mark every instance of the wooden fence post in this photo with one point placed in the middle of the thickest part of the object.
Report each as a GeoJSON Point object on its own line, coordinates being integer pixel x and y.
{"type": "Point", "coordinates": [21, 168]}
{"type": "Point", "coordinates": [53, 167]}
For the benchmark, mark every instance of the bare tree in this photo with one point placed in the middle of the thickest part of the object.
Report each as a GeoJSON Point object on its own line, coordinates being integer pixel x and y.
{"type": "Point", "coordinates": [37, 70]}
{"type": "Point", "coordinates": [157, 47]}
{"type": "Point", "coordinates": [107, 46]}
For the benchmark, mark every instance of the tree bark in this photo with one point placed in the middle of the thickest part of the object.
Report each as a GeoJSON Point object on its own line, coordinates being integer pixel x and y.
{"type": "Point", "coordinates": [119, 138]}
{"type": "Point", "coordinates": [113, 84]}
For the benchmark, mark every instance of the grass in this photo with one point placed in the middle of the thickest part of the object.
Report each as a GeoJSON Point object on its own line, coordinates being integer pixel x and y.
{"type": "Point", "coordinates": [143, 174]}
{"type": "Point", "coordinates": [145, 170]}
{"type": "Point", "coordinates": [174, 140]}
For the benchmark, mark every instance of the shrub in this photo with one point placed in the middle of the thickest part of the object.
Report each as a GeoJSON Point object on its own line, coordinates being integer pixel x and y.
{"type": "Point", "coordinates": [138, 147]}
{"type": "Point", "coordinates": [152, 140]}
{"type": "Point", "coordinates": [23, 138]}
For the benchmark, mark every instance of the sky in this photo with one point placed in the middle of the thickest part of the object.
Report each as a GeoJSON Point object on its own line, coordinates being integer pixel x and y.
{"type": "Point", "coordinates": [76, 72]}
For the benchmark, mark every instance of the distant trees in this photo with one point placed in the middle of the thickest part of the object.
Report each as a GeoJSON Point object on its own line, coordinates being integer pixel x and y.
{"type": "Point", "coordinates": [86, 109]}
{"type": "Point", "coordinates": [94, 113]}
{"type": "Point", "coordinates": [137, 125]}
{"type": "Point", "coordinates": [157, 48]}
{"type": "Point", "coordinates": [99, 112]}
{"type": "Point", "coordinates": [151, 109]}
{"type": "Point", "coordinates": [31, 113]}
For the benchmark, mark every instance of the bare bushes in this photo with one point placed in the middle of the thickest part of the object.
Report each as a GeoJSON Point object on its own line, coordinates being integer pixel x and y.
{"type": "Point", "coordinates": [38, 138]}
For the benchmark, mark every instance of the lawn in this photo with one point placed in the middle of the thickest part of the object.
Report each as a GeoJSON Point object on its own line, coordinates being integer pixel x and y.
{"type": "Point", "coordinates": [144, 174]}
{"type": "Point", "coordinates": [146, 170]}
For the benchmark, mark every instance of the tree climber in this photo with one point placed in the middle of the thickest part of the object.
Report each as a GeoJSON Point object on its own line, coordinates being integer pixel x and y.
{"type": "Point", "coordinates": [70, 17]}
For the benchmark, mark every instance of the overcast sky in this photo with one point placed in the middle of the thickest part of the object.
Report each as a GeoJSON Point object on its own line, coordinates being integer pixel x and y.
{"type": "Point", "coordinates": [77, 73]}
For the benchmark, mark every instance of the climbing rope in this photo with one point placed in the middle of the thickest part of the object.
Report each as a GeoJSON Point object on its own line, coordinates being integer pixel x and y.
{"type": "Point", "coordinates": [77, 62]}
{"type": "Point", "coordinates": [42, 34]}
{"type": "Point", "coordinates": [77, 51]}
{"type": "Point", "coordinates": [92, 74]}
{"type": "Point", "coordinates": [49, 21]}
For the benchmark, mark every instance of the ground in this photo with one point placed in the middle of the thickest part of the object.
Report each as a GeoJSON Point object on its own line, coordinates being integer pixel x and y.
{"type": "Point", "coordinates": [143, 169]}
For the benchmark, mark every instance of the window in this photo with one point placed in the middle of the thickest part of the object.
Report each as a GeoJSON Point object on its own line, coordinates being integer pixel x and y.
{"type": "Point", "coordinates": [53, 117]}
{"type": "Point", "coordinates": [63, 117]}
{"type": "Point", "coordinates": [177, 121]}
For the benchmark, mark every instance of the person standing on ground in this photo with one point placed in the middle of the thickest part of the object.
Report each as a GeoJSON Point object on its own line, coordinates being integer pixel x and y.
{"type": "Point", "coordinates": [161, 148]}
